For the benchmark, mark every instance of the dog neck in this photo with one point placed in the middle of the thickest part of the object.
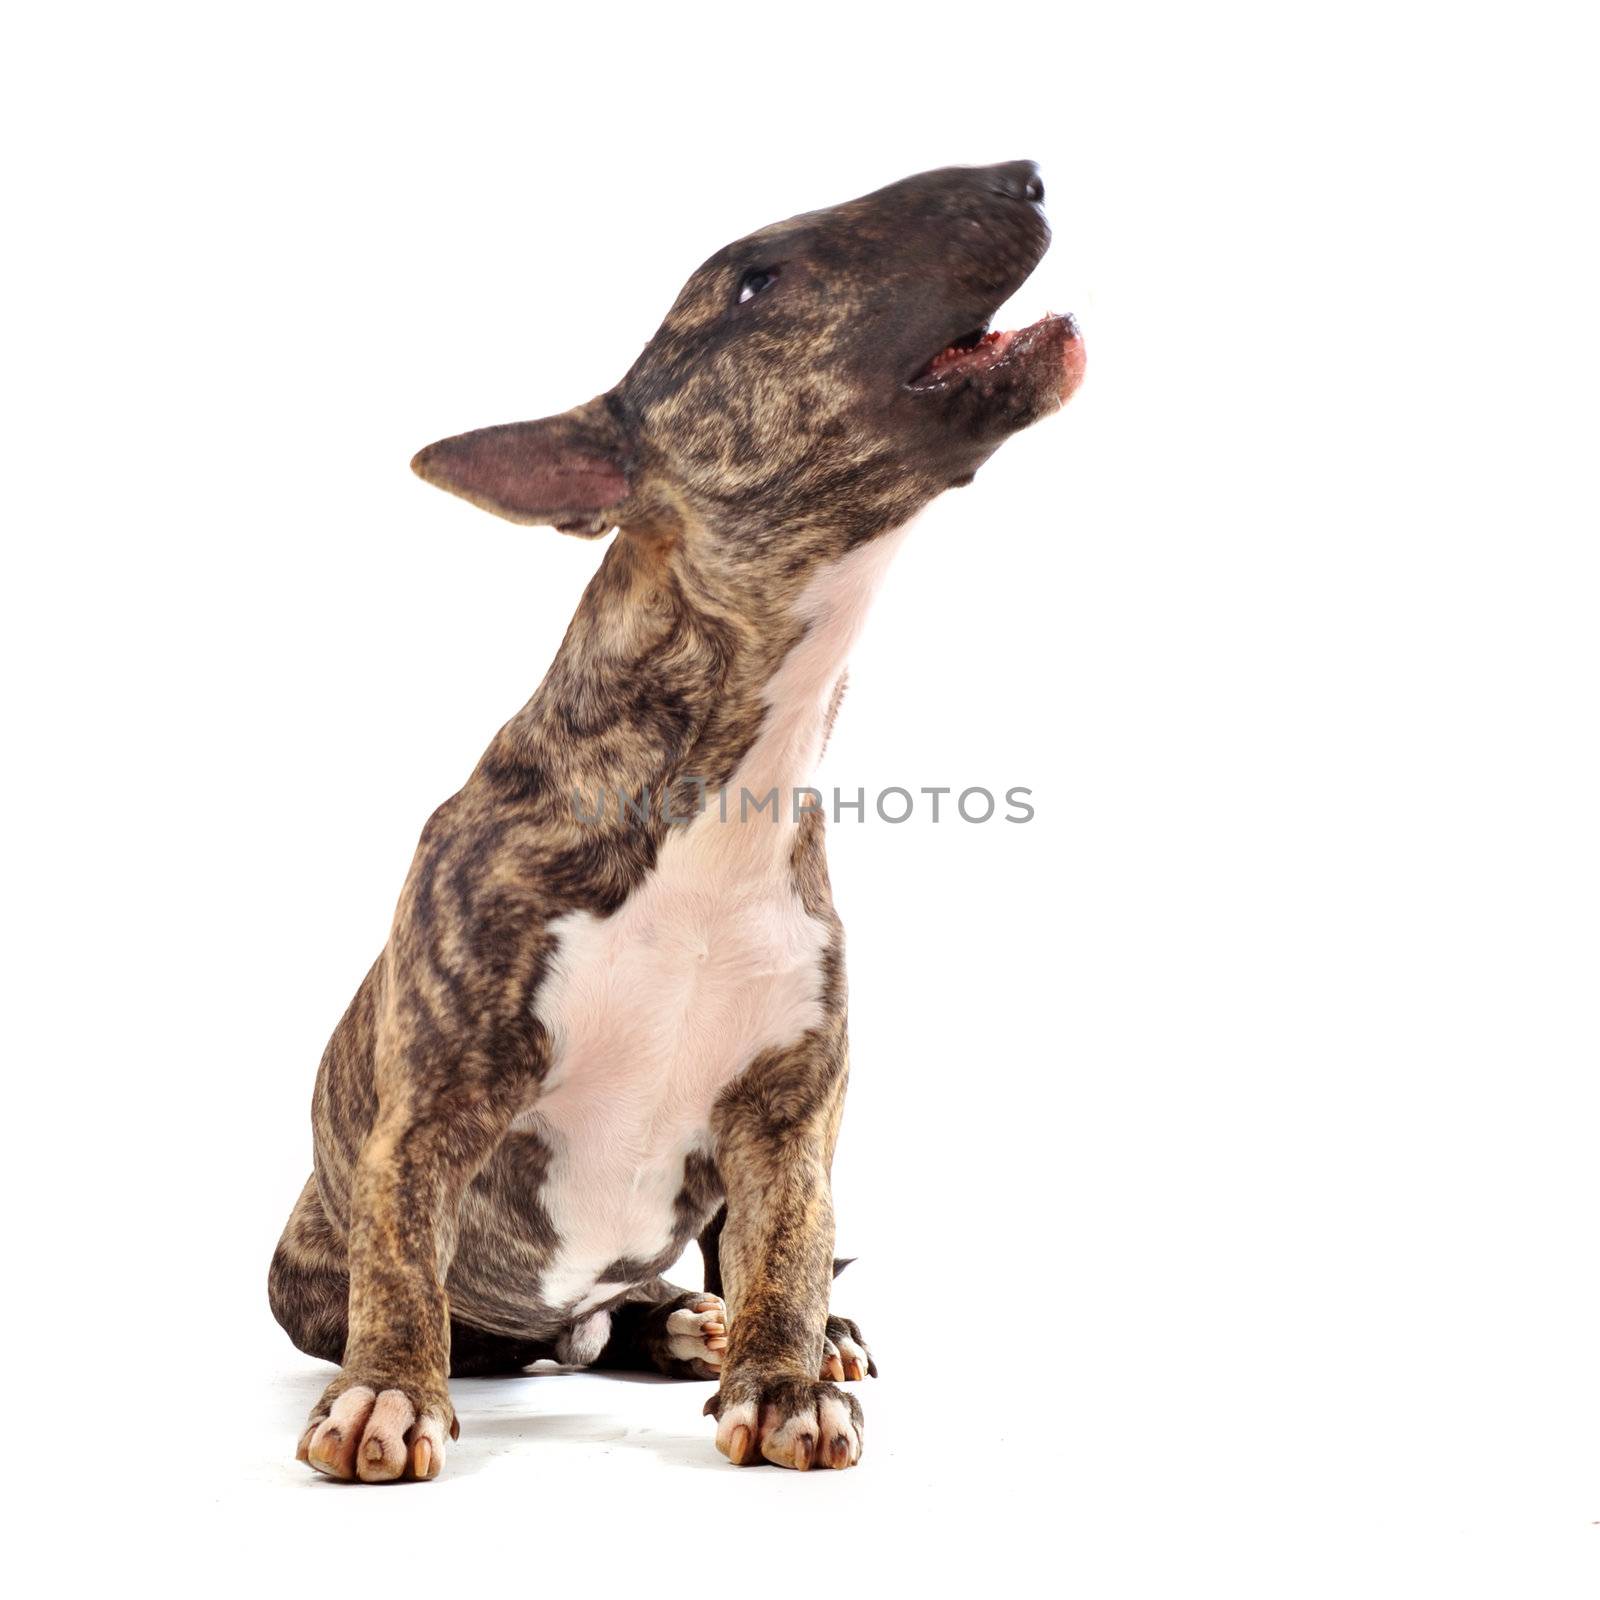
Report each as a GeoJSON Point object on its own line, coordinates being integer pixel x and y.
{"type": "Point", "coordinates": [801, 695]}
{"type": "Point", "coordinates": [671, 682]}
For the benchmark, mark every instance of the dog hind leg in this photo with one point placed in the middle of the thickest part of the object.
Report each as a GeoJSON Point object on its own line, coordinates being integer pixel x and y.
{"type": "Point", "coordinates": [308, 1287]}
{"type": "Point", "coordinates": [308, 1283]}
{"type": "Point", "coordinates": [679, 1332]}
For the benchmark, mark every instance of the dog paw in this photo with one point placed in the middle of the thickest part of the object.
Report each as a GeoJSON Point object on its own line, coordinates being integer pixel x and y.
{"type": "Point", "coordinates": [377, 1435]}
{"type": "Point", "coordinates": [790, 1422]}
{"type": "Point", "coordinates": [844, 1352]}
{"type": "Point", "coordinates": [697, 1334]}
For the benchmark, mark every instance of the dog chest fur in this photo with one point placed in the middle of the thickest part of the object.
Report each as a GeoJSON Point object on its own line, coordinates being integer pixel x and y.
{"type": "Point", "coordinates": [651, 1013]}
{"type": "Point", "coordinates": [654, 1010]}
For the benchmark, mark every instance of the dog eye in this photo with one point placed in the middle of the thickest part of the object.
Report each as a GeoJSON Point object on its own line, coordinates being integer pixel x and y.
{"type": "Point", "coordinates": [753, 282]}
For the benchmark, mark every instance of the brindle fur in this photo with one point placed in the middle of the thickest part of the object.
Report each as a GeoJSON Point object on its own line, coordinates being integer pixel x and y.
{"type": "Point", "coordinates": [749, 446]}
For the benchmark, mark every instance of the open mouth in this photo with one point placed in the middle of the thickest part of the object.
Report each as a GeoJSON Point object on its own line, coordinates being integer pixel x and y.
{"type": "Point", "coordinates": [984, 351]}
{"type": "Point", "coordinates": [972, 352]}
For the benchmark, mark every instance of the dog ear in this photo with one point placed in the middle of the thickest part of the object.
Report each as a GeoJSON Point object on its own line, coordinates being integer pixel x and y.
{"type": "Point", "coordinates": [570, 470]}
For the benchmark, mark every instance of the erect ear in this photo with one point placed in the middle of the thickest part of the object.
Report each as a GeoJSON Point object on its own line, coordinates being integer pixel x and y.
{"type": "Point", "coordinates": [570, 470]}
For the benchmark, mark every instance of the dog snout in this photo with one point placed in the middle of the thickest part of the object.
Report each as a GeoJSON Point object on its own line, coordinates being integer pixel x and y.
{"type": "Point", "coordinates": [1017, 180]}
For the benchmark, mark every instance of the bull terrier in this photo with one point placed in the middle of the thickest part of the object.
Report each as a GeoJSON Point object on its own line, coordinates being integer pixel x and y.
{"type": "Point", "coordinates": [599, 1031]}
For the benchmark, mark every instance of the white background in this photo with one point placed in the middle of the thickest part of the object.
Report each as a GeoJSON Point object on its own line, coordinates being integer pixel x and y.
{"type": "Point", "coordinates": [1220, 1151]}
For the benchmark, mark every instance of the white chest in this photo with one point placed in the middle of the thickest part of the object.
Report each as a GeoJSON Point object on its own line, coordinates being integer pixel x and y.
{"type": "Point", "coordinates": [651, 1013]}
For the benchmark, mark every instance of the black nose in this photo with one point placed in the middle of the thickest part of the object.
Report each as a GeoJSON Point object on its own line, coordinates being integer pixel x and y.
{"type": "Point", "coordinates": [1019, 180]}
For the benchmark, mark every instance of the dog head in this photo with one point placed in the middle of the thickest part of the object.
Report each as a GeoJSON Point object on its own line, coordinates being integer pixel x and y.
{"type": "Point", "coordinates": [813, 385]}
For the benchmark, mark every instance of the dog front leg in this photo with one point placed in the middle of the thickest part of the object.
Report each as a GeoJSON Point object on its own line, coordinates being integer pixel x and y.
{"type": "Point", "coordinates": [777, 1267]}
{"type": "Point", "coordinates": [387, 1413]}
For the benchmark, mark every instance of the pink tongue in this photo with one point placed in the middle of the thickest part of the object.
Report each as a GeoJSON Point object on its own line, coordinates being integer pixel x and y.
{"type": "Point", "coordinates": [989, 344]}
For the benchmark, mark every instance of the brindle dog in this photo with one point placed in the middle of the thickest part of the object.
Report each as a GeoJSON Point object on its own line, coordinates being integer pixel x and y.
{"type": "Point", "coordinates": [599, 1030]}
